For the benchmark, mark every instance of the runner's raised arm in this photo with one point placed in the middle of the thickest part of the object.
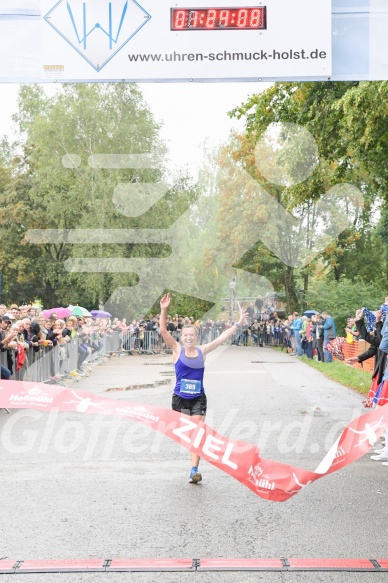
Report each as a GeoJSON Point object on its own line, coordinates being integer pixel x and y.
{"type": "Point", "coordinates": [168, 339]}
{"type": "Point", "coordinates": [206, 348]}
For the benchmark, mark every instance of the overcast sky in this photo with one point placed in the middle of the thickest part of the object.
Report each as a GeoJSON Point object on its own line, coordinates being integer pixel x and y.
{"type": "Point", "coordinates": [192, 113]}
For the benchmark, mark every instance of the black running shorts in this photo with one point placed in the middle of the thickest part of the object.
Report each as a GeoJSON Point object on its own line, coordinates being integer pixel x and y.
{"type": "Point", "coordinates": [195, 406]}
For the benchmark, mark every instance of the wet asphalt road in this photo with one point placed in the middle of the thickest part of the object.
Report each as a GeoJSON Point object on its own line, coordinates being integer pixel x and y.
{"type": "Point", "coordinates": [79, 486]}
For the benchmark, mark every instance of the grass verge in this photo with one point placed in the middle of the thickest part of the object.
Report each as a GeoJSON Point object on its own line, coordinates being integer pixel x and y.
{"type": "Point", "coordinates": [354, 378]}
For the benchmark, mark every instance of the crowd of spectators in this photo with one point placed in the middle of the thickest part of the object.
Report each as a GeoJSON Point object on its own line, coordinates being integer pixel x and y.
{"type": "Point", "coordinates": [260, 329]}
{"type": "Point", "coordinates": [373, 327]}
{"type": "Point", "coordinates": [310, 335]}
{"type": "Point", "coordinates": [25, 329]}
{"type": "Point", "coordinates": [299, 336]}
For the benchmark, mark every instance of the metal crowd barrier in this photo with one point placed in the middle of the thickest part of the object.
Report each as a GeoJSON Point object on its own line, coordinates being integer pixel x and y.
{"type": "Point", "coordinates": [52, 361]}
{"type": "Point", "coordinates": [151, 342]}
{"type": "Point", "coordinates": [111, 342]}
{"type": "Point", "coordinates": [269, 338]}
{"type": "Point", "coordinates": [248, 337]}
{"type": "Point", "coordinates": [147, 342]}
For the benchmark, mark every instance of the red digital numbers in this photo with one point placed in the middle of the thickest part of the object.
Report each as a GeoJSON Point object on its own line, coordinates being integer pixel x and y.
{"type": "Point", "coordinates": [256, 18]}
{"type": "Point", "coordinates": [241, 18]}
{"type": "Point", "coordinates": [223, 18]}
{"type": "Point", "coordinates": [179, 19]}
{"type": "Point", "coordinates": [211, 18]}
{"type": "Point", "coordinates": [192, 21]}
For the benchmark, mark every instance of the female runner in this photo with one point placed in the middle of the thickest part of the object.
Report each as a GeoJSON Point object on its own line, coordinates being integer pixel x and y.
{"type": "Point", "coordinates": [189, 360]}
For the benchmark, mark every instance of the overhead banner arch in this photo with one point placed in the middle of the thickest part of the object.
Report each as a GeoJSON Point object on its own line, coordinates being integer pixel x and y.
{"type": "Point", "coordinates": [220, 40]}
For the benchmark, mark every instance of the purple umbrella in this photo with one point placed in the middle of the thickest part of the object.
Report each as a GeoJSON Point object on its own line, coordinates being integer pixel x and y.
{"type": "Point", "coordinates": [100, 314]}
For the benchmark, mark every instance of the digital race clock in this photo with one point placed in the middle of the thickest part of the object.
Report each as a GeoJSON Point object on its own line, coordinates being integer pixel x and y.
{"type": "Point", "coordinates": [241, 18]}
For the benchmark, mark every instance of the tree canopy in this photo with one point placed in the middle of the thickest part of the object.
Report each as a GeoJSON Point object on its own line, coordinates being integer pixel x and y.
{"type": "Point", "coordinates": [257, 208]}
{"type": "Point", "coordinates": [348, 122]}
{"type": "Point", "coordinates": [49, 180]}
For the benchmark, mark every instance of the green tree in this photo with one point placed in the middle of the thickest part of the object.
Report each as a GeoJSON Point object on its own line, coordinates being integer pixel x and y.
{"type": "Point", "coordinates": [342, 298]}
{"type": "Point", "coordinates": [322, 109]}
{"type": "Point", "coordinates": [54, 184]}
{"type": "Point", "coordinates": [363, 123]}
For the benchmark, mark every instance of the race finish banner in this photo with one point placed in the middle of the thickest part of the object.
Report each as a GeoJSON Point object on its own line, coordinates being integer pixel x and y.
{"type": "Point", "coordinates": [154, 40]}
{"type": "Point", "coordinates": [268, 479]}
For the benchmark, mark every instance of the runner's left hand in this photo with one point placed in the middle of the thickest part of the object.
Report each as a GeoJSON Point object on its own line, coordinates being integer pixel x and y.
{"type": "Point", "coordinates": [243, 315]}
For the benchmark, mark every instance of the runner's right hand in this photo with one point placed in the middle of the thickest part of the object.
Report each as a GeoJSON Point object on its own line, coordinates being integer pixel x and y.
{"type": "Point", "coordinates": [165, 302]}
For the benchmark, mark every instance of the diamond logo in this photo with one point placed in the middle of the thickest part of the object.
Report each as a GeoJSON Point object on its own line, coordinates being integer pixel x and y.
{"type": "Point", "coordinates": [97, 29]}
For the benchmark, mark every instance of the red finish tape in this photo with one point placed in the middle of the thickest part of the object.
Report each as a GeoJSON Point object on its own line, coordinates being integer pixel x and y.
{"type": "Point", "coordinates": [268, 479]}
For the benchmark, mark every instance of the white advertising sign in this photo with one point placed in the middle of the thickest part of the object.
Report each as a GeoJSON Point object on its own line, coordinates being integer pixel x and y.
{"type": "Point", "coordinates": [151, 40]}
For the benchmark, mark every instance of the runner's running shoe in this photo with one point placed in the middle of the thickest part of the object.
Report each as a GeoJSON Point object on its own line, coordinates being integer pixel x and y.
{"type": "Point", "coordinates": [195, 476]}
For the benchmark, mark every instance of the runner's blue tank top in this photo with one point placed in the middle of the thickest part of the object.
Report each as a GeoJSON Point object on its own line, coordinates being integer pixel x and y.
{"type": "Point", "coordinates": [189, 369]}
